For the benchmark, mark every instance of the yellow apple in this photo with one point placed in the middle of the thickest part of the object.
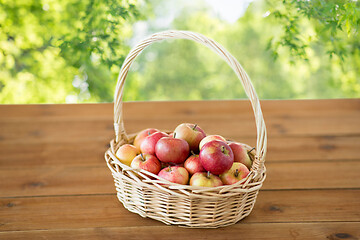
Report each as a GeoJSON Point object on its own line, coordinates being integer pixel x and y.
{"type": "Point", "coordinates": [126, 153]}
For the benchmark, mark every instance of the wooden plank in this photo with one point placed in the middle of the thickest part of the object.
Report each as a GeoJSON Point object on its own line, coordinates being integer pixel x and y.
{"type": "Point", "coordinates": [283, 108]}
{"type": "Point", "coordinates": [106, 211]}
{"type": "Point", "coordinates": [90, 152]}
{"type": "Point", "coordinates": [313, 148]}
{"type": "Point", "coordinates": [56, 181]}
{"type": "Point", "coordinates": [285, 231]}
{"type": "Point", "coordinates": [83, 130]}
{"type": "Point", "coordinates": [224, 117]}
{"type": "Point", "coordinates": [313, 175]}
{"type": "Point", "coordinates": [306, 206]}
{"type": "Point", "coordinates": [55, 131]}
{"type": "Point", "coordinates": [59, 180]}
{"type": "Point", "coordinates": [45, 154]}
{"type": "Point", "coordinates": [55, 111]}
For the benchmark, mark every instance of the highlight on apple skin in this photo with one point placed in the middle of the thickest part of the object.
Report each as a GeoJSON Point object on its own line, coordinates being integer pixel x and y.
{"type": "Point", "coordinates": [146, 162]}
{"type": "Point", "coordinates": [193, 164]}
{"type": "Point", "coordinates": [148, 144]}
{"type": "Point", "coordinates": [216, 156]}
{"type": "Point", "coordinates": [142, 135]}
{"type": "Point", "coordinates": [173, 150]}
{"type": "Point", "coordinates": [191, 133]}
{"type": "Point", "coordinates": [210, 138]}
{"type": "Point", "coordinates": [175, 174]}
{"type": "Point", "coordinates": [240, 154]}
{"type": "Point", "coordinates": [126, 153]}
{"type": "Point", "coordinates": [205, 179]}
{"type": "Point", "coordinates": [237, 172]}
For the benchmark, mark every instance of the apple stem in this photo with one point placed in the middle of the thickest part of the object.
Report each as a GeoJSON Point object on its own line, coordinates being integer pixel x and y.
{"type": "Point", "coordinates": [192, 153]}
{"type": "Point", "coordinates": [142, 156]}
{"type": "Point", "coordinates": [224, 150]}
{"type": "Point", "coordinates": [174, 135]}
{"type": "Point", "coordinates": [250, 150]}
{"type": "Point", "coordinates": [194, 126]}
{"type": "Point", "coordinates": [170, 168]}
{"type": "Point", "coordinates": [236, 172]}
{"type": "Point", "coordinates": [148, 133]}
{"type": "Point", "coordinates": [208, 174]}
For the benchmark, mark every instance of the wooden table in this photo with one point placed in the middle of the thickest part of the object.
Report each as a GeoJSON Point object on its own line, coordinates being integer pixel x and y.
{"type": "Point", "coordinates": [54, 183]}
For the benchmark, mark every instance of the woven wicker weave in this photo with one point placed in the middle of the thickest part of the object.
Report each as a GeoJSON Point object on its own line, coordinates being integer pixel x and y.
{"type": "Point", "coordinates": [148, 195]}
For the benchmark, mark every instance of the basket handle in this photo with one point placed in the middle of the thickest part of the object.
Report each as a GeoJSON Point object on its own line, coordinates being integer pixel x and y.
{"type": "Point", "coordinates": [261, 142]}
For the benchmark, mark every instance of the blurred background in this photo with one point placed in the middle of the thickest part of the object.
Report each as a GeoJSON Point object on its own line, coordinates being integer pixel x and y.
{"type": "Point", "coordinates": [69, 51]}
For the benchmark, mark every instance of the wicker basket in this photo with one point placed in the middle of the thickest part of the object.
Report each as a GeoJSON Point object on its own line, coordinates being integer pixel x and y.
{"type": "Point", "coordinates": [148, 195]}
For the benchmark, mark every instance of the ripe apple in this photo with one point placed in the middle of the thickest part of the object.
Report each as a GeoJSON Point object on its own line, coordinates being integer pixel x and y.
{"type": "Point", "coordinates": [148, 144]}
{"type": "Point", "coordinates": [191, 133]}
{"type": "Point", "coordinates": [175, 174]}
{"type": "Point", "coordinates": [193, 164]}
{"type": "Point", "coordinates": [237, 172]}
{"type": "Point", "coordinates": [216, 156]}
{"type": "Point", "coordinates": [142, 135]}
{"type": "Point", "coordinates": [210, 138]}
{"type": "Point", "coordinates": [205, 179]}
{"type": "Point", "coordinates": [126, 153]}
{"type": "Point", "coordinates": [170, 149]}
{"type": "Point", "coordinates": [146, 162]}
{"type": "Point", "coordinates": [240, 154]}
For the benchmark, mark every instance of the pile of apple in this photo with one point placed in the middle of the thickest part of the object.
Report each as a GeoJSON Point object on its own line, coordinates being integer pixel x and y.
{"type": "Point", "coordinates": [187, 153]}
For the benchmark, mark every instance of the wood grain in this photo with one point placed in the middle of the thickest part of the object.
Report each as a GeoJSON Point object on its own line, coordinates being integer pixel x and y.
{"type": "Point", "coordinates": [64, 180]}
{"type": "Point", "coordinates": [54, 182]}
{"type": "Point", "coordinates": [281, 231]}
{"type": "Point", "coordinates": [90, 152]}
{"type": "Point", "coordinates": [59, 212]}
{"type": "Point", "coordinates": [229, 118]}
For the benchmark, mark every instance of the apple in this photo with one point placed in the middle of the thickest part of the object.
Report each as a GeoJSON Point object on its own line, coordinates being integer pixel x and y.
{"type": "Point", "coordinates": [240, 154]}
{"type": "Point", "coordinates": [142, 135]}
{"type": "Point", "coordinates": [191, 133]}
{"type": "Point", "coordinates": [216, 156]}
{"type": "Point", "coordinates": [126, 153]}
{"type": "Point", "coordinates": [148, 144]}
{"type": "Point", "coordinates": [210, 138]}
{"type": "Point", "coordinates": [193, 164]}
{"type": "Point", "coordinates": [146, 162]}
{"type": "Point", "coordinates": [237, 172]}
{"type": "Point", "coordinates": [173, 150]}
{"type": "Point", "coordinates": [205, 179]}
{"type": "Point", "coordinates": [175, 174]}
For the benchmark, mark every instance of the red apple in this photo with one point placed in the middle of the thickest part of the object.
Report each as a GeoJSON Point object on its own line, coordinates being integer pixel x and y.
{"type": "Point", "coordinates": [240, 154]}
{"type": "Point", "coordinates": [148, 144]}
{"type": "Point", "coordinates": [216, 156]}
{"type": "Point", "coordinates": [146, 162]}
{"type": "Point", "coordinates": [191, 133]}
{"type": "Point", "coordinates": [237, 172]}
{"type": "Point", "coordinates": [175, 174]}
{"type": "Point", "coordinates": [205, 179]}
{"type": "Point", "coordinates": [210, 138]}
{"type": "Point", "coordinates": [126, 153]}
{"type": "Point", "coordinates": [173, 150]}
{"type": "Point", "coordinates": [193, 164]}
{"type": "Point", "coordinates": [142, 135]}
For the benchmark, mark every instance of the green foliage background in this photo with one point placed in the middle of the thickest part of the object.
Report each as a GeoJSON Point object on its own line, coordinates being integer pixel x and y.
{"type": "Point", "coordinates": [54, 51]}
